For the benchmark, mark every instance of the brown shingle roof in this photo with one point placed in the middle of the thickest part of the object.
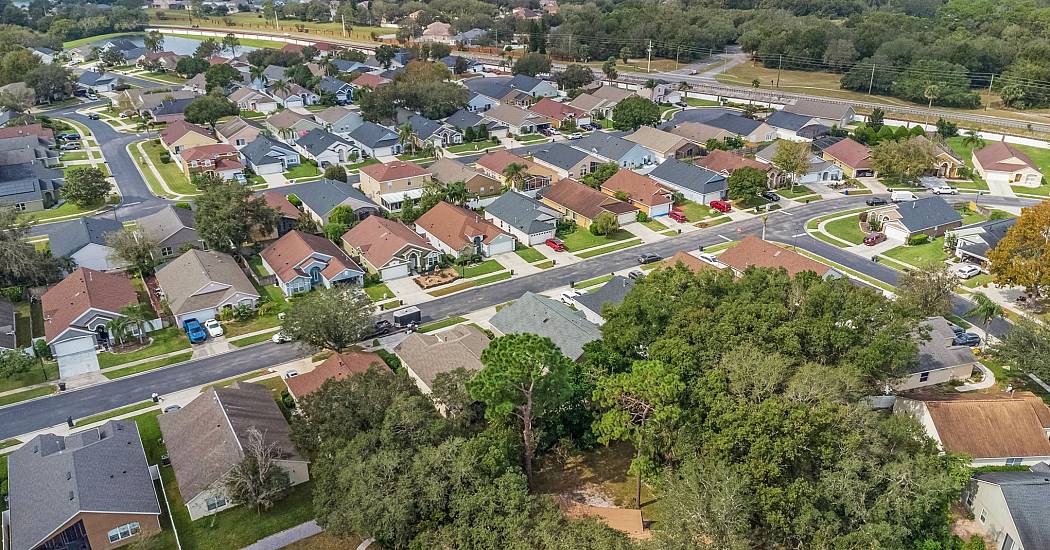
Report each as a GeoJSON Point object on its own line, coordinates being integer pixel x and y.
{"type": "Point", "coordinates": [726, 163]}
{"type": "Point", "coordinates": [555, 109]}
{"type": "Point", "coordinates": [369, 81]}
{"type": "Point", "coordinates": [208, 151]}
{"type": "Point", "coordinates": [279, 202]}
{"type": "Point", "coordinates": [753, 251]}
{"type": "Point", "coordinates": [992, 156]}
{"type": "Point", "coordinates": [428, 355]}
{"type": "Point", "coordinates": [699, 132]}
{"type": "Point", "coordinates": [336, 367]}
{"type": "Point", "coordinates": [694, 264]}
{"type": "Point", "coordinates": [583, 200]}
{"type": "Point", "coordinates": [396, 170]}
{"type": "Point", "coordinates": [285, 119]}
{"type": "Point", "coordinates": [497, 161]}
{"type": "Point", "coordinates": [380, 239]}
{"type": "Point", "coordinates": [641, 189]}
{"type": "Point", "coordinates": [456, 226]}
{"type": "Point", "coordinates": [27, 130]}
{"type": "Point", "coordinates": [82, 290]}
{"type": "Point", "coordinates": [174, 131]}
{"type": "Point", "coordinates": [992, 426]}
{"type": "Point", "coordinates": [286, 255]}
{"type": "Point", "coordinates": [851, 153]}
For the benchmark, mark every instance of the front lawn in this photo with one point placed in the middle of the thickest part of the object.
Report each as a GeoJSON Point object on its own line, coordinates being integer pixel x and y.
{"type": "Point", "coordinates": [531, 138]}
{"type": "Point", "coordinates": [307, 169]}
{"type": "Point", "coordinates": [24, 395]}
{"type": "Point", "coordinates": [36, 375]}
{"type": "Point", "coordinates": [582, 238]}
{"type": "Point", "coordinates": [378, 292]}
{"type": "Point", "coordinates": [165, 340]}
{"type": "Point", "coordinates": [795, 191]}
{"type": "Point", "coordinates": [529, 254]}
{"type": "Point", "coordinates": [73, 155]}
{"type": "Point", "coordinates": [148, 366]}
{"type": "Point", "coordinates": [477, 270]}
{"type": "Point", "coordinates": [362, 164]}
{"type": "Point", "coordinates": [847, 229]}
{"type": "Point", "coordinates": [920, 255]}
{"type": "Point", "coordinates": [169, 172]}
{"type": "Point", "coordinates": [697, 102]}
{"type": "Point", "coordinates": [599, 251]}
{"type": "Point", "coordinates": [475, 147]}
{"type": "Point", "coordinates": [437, 325]}
{"type": "Point", "coordinates": [695, 211]}
{"type": "Point", "coordinates": [66, 209]}
{"type": "Point", "coordinates": [654, 225]}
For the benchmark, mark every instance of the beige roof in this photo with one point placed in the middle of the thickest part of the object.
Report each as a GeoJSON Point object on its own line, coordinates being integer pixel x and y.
{"type": "Point", "coordinates": [514, 116]}
{"type": "Point", "coordinates": [428, 355]}
{"type": "Point", "coordinates": [457, 227]}
{"type": "Point", "coordinates": [334, 114]}
{"type": "Point", "coordinates": [612, 93]}
{"type": "Point", "coordinates": [202, 279]}
{"type": "Point", "coordinates": [699, 132]}
{"type": "Point", "coordinates": [587, 102]}
{"type": "Point", "coordinates": [285, 119]}
{"type": "Point", "coordinates": [234, 126]}
{"type": "Point", "coordinates": [992, 426]}
{"type": "Point", "coordinates": [380, 239]}
{"type": "Point", "coordinates": [656, 140]}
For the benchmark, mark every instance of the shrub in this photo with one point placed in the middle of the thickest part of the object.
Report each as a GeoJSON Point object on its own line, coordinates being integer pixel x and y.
{"type": "Point", "coordinates": [390, 359]}
{"type": "Point", "coordinates": [296, 202]}
{"type": "Point", "coordinates": [42, 350]}
{"type": "Point", "coordinates": [12, 293]}
{"type": "Point", "coordinates": [917, 239]}
{"type": "Point", "coordinates": [183, 204]}
{"type": "Point", "coordinates": [641, 217]}
{"type": "Point", "coordinates": [165, 157]}
{"type": "Point", "coordinates": [999, 215]}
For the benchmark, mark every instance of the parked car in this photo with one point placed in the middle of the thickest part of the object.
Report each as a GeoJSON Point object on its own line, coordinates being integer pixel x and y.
{"type": "Point", "coordinates": [635, 274]}
{"type": "Point", "coordinates": [569, 296]}
{"type": "Point", "coordinates": [956, 328]}
{"type": "Point", "coordinates": [281, 338]}
{"type": "Point", "coordinates": [966, 339]}
{"type": "Point", "coordinates": [678, 216]}
{"type": "Point", "coordinates": [171, 408]}
{"type": "Point", "coordinates": [721, 206]}
{"type": "Point", "coordinates": [872, 239]}
{"type": "Point", "coordinates": [648, 258]}
{"type": "Point", "coordinates": [93, 116]}
{"type": "Point", "coordinates": [194, 331]}
{"type": "Point", "coordinates": [68, 136]}
{"type": "Point", "coordinates": [291, 373]}
{"type": "Point", "coordinates": [556, 244]}
{"type": "Point", "coordinates": [213, 327]}
{"type": "Point", "coordinates": [903, 196]}
{"type": "Point", "coordinates": [876, 201]}
{"type": "Point", "coordinates": [708, 257]}
{"type": "Point", "coordinates": [70, 146]}
{"type": "Point", "coordinates": [967, 271]}
{"type": "Point", "coordinates": [575, 135]}
{"type": "Point", "coordinates": [945, 190]}
{"type": "Point", "coordinates": [771, 196]}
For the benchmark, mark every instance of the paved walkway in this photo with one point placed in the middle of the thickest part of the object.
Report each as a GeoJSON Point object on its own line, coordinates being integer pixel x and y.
{"type": "Point", "coordinates": [512, 261]}
{"type": "Point", "coordinates": [277, 541]}
{"type": "Point", "coordinates": [987, 380]}
{"type": "Point", "coordinates": [144, 159]}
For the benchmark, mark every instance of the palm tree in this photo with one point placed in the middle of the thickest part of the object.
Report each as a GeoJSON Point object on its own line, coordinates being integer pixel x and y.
{"type": "Point", "coordinates": [405, 138]}
{"type": "Point", "coordinates": [457, 193]}
{"type": "Point", "coordinates": [153, 41]}
{"type": "Point", "coordinates": [973, 138]}
{"type": "Point", "coordinates": [984, 310]}
{"type": "Point", "coordinates": [137, 317]}
{"type": "Point", "coordinates": [118, 327]}
{"type": "Point", "coordinates": [230, 42]}
{"type": "Point", "coordinates": [258, 73]}
{"type": "Point", "coordinates": [516, 173]}
{"type": "Point", "coordinates": [931, 93]}
{"type": "Point", "coordinates": [280, 86]}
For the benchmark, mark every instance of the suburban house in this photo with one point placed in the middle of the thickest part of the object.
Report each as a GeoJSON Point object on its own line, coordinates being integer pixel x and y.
{"type": "Point", "coordinates": [641, 191]}
{"type": "Point", "coordinates": [726, 162]}
{"type": "Point", "coordinates": [173, 228]}
{"type": "Point", "coordinates": [1012, 507]}
{"type": "Point", "coordinates": [463, 119]}
{"type": "Point", "coordinates": [992, 429]}
{"type": "Point", "coordinates": [663, 144]}
{"type": "Point", "coordinates": [162, 61]}
{"type": "Point", "coordinates": [320, 197]}
{"type": "Point", "coordinates": [338, 366]}
{"type": "Point", "coordinates": [265, 155]}
{"type": "Point", "coordinates": [390, 248]}
{"type": "Point", "coordinates": [460, 232]}
{"type": "Point", "coordinates": [221, 159]}
{"type": "Point", "coordinates": [449, 170]}
{"type": "Point", "coordinates": [426, 355]}
{"type": "Point", "coordinates": [947, 162]}
{"type": "Point", "coordinates": [369, 81]}
{"type": "Point", "coordinates": [591, 104]}
{"type": "Point", "coordinates": [536, 177]}
{"type": "Point", "coordinates": [218, 424]}
{"type": "Point", "coordinates": [601, 101]}
{"type": "Point", "coordinates": [459, 64]}
{"type": "Point", "coordinates": [438, 31]}
{"type": "Point", "coordinates": [238, 132]}
{"type": "Point", "coordinates": [931, 216]}
{"type": "Point", "coordinates": [695, 183]}
{"type": "Point", "coordinates": [391, 184]}
{"type": "Point", "coordinates": [479, 103]}
{"type": "Point", "coordinates": [29, 187]}
{"type": "Point", "coordinates": [1000, 162]}
{"type": "Point", "coordinates": [535, 314]}
{"type": "Point", "coordinates": [796, 127]}
{"type": "Point", "coordinates": [438, 134]}
{"type": "Point", "coordinates": [302, 262]}
{"type": "Point", "coordinates": [560, 113]}
{"type": "Point", "coordinates": [76, 311]}
{"type": "Point", "coordinates": [611, 294]}
{"type": "Point", "coordinates": [582, 204]}
{"type": "Point", "coordinates": [611, 148]}
{"type": "Point", "coordinates": [200, 284]}
{"type": "Point", "coordinates": [45, 55]}
{"type": "Point", "coordinates": [939, 360]}
{"type": "Point", "coordinates": [533, 86]}
{"type": "Point", "coordinates": [89, 489]}
{"type": "Point", "coordinates": [85, 241]}
{"type": "Point", "coordinates": [96, 82]}
{"type": "Point", "coordinates": [289, 125]}
{"type": "Point", "coordinates": [288, 215]}
{"type": "Point", "coordinates": [168, 111]}
{"type": "Point", "coordinates": [973, 242]}
{"type": "Point", "coordinates": [339, 120]}
{"type": "Point", "coordinates": [690, 262]}
{"type": "Point", "coordinates": [747, 129]}
{"type": "Point", "coordinates": [819, 170]}
{"type": "Point", "coordinates": [249, 99]}
{"type": "Point", "coordinates": [326, 148]}
{"type": "Point", "coordinates": [823, 112]}
{"type": "Point", "coordinates": [752, 251]}
{"type": "Point", "coordinates": [701, 133]}
{"type": "Point", "coordinates": [661, 94]}
{"type": "Point", "coordinates": [566, 161]}
{"type": "Point", "coordinates": [518, 121]}
{"type": "Point", "coordinates": [181, 135]}
{"type": "Point", "coordinates": [374, 140]}
{"type": "Point", "coordinates": [854, 158]}
{"type": "Point", "coordinates": [294, 96]}
{"type": "Point", "coordinates": [529, 220]}
{"type": "Point", "coordinates": [145, 100]}
{"type": "Point", "coordinates": [341, 91]}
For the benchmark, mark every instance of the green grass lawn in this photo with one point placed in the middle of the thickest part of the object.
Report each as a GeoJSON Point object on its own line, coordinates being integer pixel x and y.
{"type": "Point", "coordinates": [305, 170]}
{"type": "Point", "coordinates": [794, 192]}
{"type": "Point", "coordinates": [3, 483]}
{"type": "Point", "coordinates": [28, 394]}
{"type": "Point", "coordinates": [38, 374]}
{"type": "Point", "coordinates": [593, 282]}
{"type": "Point", "coordinates": [73, 155]}
{"type": "Point", "coordinates": [476, 270]}
{"type": "Point", "coordinates": [970, 216]}
{"type": "Point", "coordinates": [697, 102]}
{"type": "Point", "coordinates": [582, 238]}
{"type": "Point", "coordinates": [695, 211]}
{"type": "Point", "coordinates": [414, 157]}
{"type": "Point", "coordinates": [847, 229]}
{"type": "Point", "coordinates": [471, 284]}
{"type": "Point", "coordinates": [165, 340]}
{"type": "Point", "coordinates": [362, 164]}
{"type": "Point", "coordinates": [170, 172]}
{"type": "Point", "coordinates": [920, 255]}
{"type": "Point", "coordinates": [654, 225]}
{"type": "Point", "coordinates": [1042, 191]}
{"type": "Point", "coordinates": [37, 312]}
{"type": "Point", "coordinates": [475, 147]}
{"type": "Point", "coordinates": [249, 42]}
{"type": "Point", "coordinates": [529, 254]}
{"type": "Point", "coordinates": [379, 292]}
{"type": "Point", "coordinates": [530, 138]}
{"type": "Point", "coordinates": [65, 209]}
{"type": "Point", "coordinates": [545, 265]}
{"type": "Point", "coordinates": [115, 412]}
{"type": "Point", "coordinates": [599, 251]}
{"type": "Point", "coordinates": [87, 40]}
{"type": "Point", "coordinates": [166, 77]}
{"type": "Point", "coordinates": [251, 340]}
{"type": "Point", "coordinates": [255, 262]}
{"type": "Point", "coordinates": [147, 366]}
{"type": "Point", "coordinates": [437, 325]}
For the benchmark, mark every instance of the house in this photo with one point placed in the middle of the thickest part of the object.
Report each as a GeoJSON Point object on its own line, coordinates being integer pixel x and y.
{"type": "Point", "coordinates": [641, 191]}
{"type": "Point", "coordinates": [221, 159]}
{"type": "Point", "coordinates": [931, 216]}
{"type": "Point", "coordinates": [1012, 507]}
{"type": "Point", "coordinates": [695, 183]}
{"type": "Point", "coordinates": [426, 355]}
{"type": "Point", "coordinates": [145, 100]}
{"type": "Point", "coordinates": [663, 144]}
{"type": "Point", "coordinates": [294, 95]}
{"type": "Point", "coordinates": [449, 170]}
{"type": "Point", "coordinates": [321, 197]}
{"type": "Point", "coordinates": [247, 98]}
{"type": "Point", "coordinates": [375, 141]}
{"type": "Point", "coordinates": [479, 103]}
{"type": "Point", "coordinates": [1002, 163]}
{"type": "Point", "coordinates": [612, 96]}
{"type": "Point", "coordinates": [582, 204]}
{"type": "Point", "coordinates": [796, 127]}
{"type": "Point", "coordinates": [391, 184]}
{"type": "Point", "coordinates": [611, 148]}
{"type": "Point", "coordinates": [560, 113]}
{"type": "Point", "coordinates": [326, 148]}
{"type": "Point", "coordinates": [28, 150]}
{"type": "Point", "coordinates": [46, 135]}
{"type": "Point", "coordinates": [458, 64]}
{"type": "Point", "coordinates": [517, 120]}
{"type": "Point", "coordinates": [752, 251]}
{"type": "Point", "coordinates": [526, 13]}
{"type": "Point", "coordinates": [749, 130]}
{"type": "Point", "coordinates": [462, 233]}
{"type": "Point", "coordinates": [610, 295]}
{"type": "Point", "coordinates": [45, 55]}
{"type": "Point", "coordinates": [973, 242]}
{"type": "Point", "coordinates": [96, 82]}
{"type": "Point", "coordinates": [238, 132]}
{"type": "Point", "coordinates": [438, 134]}
{"type": "Point", "coordinates": [536, 177]}
{"type": "Point", "coordinates": [342, 91]}
{"type": "Point", "coordinates": [169, 110]}
{"type": "Point", "coordinates": [463, 119]}
{"type": "Point", "coordinates": [339, 120]}
{"type": "Point", "coordinates": [163, 61]}
{"type": "Point", "coordinates": [854, 158]}
{"type": "Point", "coordinates": [823, 111]}
{"type": "Point", "coordinates": [84, 240]}
{"type": "Point", "coordinates": [29, 187]}
{"type": "Point", "coordinates": [470, 38]}
{"type": "Point", "coordinates": [947, 162]}
{"type": "Point", "coordinates": [661, 94]}
{"type": "Point", "coordinates": [726, 162]}
{"type": "Point", "coordinates": [390, 248]}
{"type": "Point", "coordinates": [368, 80]}
{"type": "Point", "coordinates": [271, 74]}
{"type": "Point", "coordinates": [593, 105]}
{"type": "Point", "coordinates": [173, 228]}
{"type": "Point", "coordinates": [542, 316]}
{"type": "Point", "coordinates": [566, 161]}
{"type": "Point", "coordinates": [301, 262]}
{"type": "Point", "coordinates": [337, 367]}
{"type": "Point", "coordinates": [289, 125]}
{"type": "Point", "coordinates": [698, 132]}
{"type": "Point", "coordinates": [690, 262]}
{"type": "Point", "coordinates": [200, 284]}
{"type": "Point", "coordinates": [265, 155]}
{"type": "Point", "coordinates": [76, 311]}
{"type": "Point", "coordinates": [529, 220]}
{"type": "Point", "coordinates": [939, 360]}
{"type": "Point", "coordinates": [533, 86]}
{"type": "Point", "coordinates": [1004, 429]}
{"type": "Point", "coordinates": [89, 489]}
{"type": "Point", "coordinates": [819, 170]}
{"type": "Point", "coordinates": [218, 424]}
{"type": "Point", "coordinates": [438, 31]}
{"type": "Point", "coordinates": [288, 215]}
{"type": "Point", "coordinates": [183, 135]}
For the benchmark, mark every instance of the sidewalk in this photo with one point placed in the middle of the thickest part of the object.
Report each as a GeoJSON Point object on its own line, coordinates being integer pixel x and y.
{"type": "Point", "coordinates": [284, 538]}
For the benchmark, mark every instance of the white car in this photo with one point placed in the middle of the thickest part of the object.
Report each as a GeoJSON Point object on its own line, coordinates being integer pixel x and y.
{"type": "Point", "coordinates": [945, 190]}
{"type": "Point", "coordinates": [213, 327]}
{"type": "Point", "coordinates": [281, 338]}
{"type": "Point", "coordinates": [575, 135]}
{"type": "Point", "coordinates": [708, 257]}
{"type": "Point", "coordinates": [569, 296]}
{"type": "Point", "coordinates": [291, 373]}
{"type": "Point", "coordinates": [966, 271]}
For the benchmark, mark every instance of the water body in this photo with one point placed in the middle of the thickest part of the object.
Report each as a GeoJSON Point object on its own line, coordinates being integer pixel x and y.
{"type": "Point", "coordinates": [180, 45]}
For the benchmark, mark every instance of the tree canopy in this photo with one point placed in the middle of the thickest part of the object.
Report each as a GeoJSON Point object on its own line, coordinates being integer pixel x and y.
{"type": "Point", "coordinates": [228, 213]}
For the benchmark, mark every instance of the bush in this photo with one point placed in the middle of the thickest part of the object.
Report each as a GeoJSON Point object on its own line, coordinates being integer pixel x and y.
{"type": "Point", "coordinates": [390, 359]}
{"type": "Point", "coordinates": [495, 140]}
{"type": "Point", "coordinates": [12, 293]}
{"type": "Point", "coordinates": [42, 350]}
{"type": "Point", "coordinates": [183, 204]}
{"type": "Point", "coordinates": [165, 157]}
{"type": "Point", "coordinates": [920, 238]}
{"type": "Point", "coordinates": [296, 202]}
{"type": "Point", "coordinates": [999, 215]}
{"type": "Point", "coordinates": [641, 217]}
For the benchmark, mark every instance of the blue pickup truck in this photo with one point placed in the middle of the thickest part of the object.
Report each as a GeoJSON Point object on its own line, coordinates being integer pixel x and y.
{"type": "Point", "coordinates": [194, 331]}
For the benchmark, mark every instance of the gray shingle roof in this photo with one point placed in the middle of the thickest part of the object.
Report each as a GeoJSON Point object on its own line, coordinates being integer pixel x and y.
{"type": "Point", "coordinates": [423, 127]}
{"type": "Point", "coordinates": [926, 213]}
{"type": "Point", "coordinates": [938, 352]}
{"type": "Point", "coordinates": [92, 78]}
{"type": "Point", "coordinates": [67, 238]}
{"type": "Point", "coordinates": [372, 135]}
{"type": "Point", "coordinates": [788, 121]}
{"type": "Point", "coordinates": [524, 82]}
{"type": "Point", "coordinates": [689, 176]}
{"type": "Point", "coordinates": [1027, 497]}
{"type": "Point", "coordinates": [560, 155]}
{"type": "Point", "coordinates": [258, 152]}
{"type": "Point", "coordinates": [463, 119]}
{"type": "Point", "coordinates": [322, 196]}
{"type": "Point", "coordinates": [992, 231]}
{"type": "Point", "coordinates": [539, 315]}
{"type": "Point", "coordinates": [167, 221]}
{"type": "Point", "coordinates": [53, 478]}
{"type": "Point", "coordinates": [172, 107]}
{"type": "Point", "coordinates": [318, 140]}
{"type": "Point", "coordinates": [613, 293]}
{"type": "Point", "coordinates": [734, 123]}
{"type": "Point", "coordinates": [332, 85]}
{"type": "Point", "coordinates": [523, 212]}
{"type": "Point", "coordinates": [606, 145]}
{"type": "Point", "coordinates": [495, 88]}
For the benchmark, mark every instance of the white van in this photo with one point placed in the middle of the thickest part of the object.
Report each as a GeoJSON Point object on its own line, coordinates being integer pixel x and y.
{"type": "Point", "coordinates": [903, 196]}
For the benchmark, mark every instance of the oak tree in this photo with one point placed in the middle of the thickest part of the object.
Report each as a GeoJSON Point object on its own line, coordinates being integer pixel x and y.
{"type": "Point", "coordinates": [1022, 257]}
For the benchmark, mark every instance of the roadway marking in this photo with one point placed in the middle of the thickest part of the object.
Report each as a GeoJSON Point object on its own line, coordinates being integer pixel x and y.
{"type": "Point", "coordinates": [799, 235]}
{"type": "Point", "coordinates": [727, 239]}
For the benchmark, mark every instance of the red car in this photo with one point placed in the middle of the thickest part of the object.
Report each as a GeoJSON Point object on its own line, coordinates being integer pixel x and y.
{"type": "Point", "coordinates": [556, 244]}
{"type": "Point", "coordinates": [721, 206]}
{"type": "Point", "coordinates": [678, 216]}
{"type": "Point", "coordinates": [873, 239]}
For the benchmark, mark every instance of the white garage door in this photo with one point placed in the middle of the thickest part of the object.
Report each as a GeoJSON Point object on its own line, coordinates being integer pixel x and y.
{"type": "Point", "coordinates": [81, 362]}
{"type": "Point", "coordinates": [395, 272]}
{"type": "Point", "coordinates": [896, 233]}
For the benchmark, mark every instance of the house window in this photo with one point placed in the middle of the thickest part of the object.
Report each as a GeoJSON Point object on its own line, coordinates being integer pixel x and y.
{"type": "Point", "coordinates": [20, 206]}
{"type": "Point", "coordinates": [124, 531]}
{"type": "Point", "coordinates": [240, 142]}
{"type": "Point", "coordinates": [923, 377]}
{"type": "Point", "coordinates": [214, 503]}
{"type": "Point", "coordinates": [1013, 462]}
{"type": "Point", "coordinates": [984, 515]}
{"type": "Point", "coordinates": [166, 251]}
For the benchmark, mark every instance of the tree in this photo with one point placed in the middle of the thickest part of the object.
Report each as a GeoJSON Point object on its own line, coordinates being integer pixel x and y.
{"type": "Point", "coordinates": [230, 42]}
{"type": "Point", "coordinates": [406, 137]}
{"type": "Point", "coordinates": [1027, 347]}
{"type": "Point", "coordinates": [133, 246]}
{"type": "Point", "coordinates": [792, 157]}
{"type": "Point", "coordinates": [440, 51]}
{"type": "Point", "coordinates": [516, 173]}
{"type": "Point", "coordinates": [1022, 257]}
{"type": "Point", "coordinates": [207, 48]}
{"type": "Point", "coordinates": [604, 224]}
{"type": "Point", "coordinates": [449, 392]}
{"type": "Point", "coordinates": [14, 362]}
{"type": "Point", "coordinates": [524, 378]}
{"type": "Point", "coordinates": [946, 129]}
{"type": "Point", "coordinates": [384, 54]}
{"type": "Point", "coordinates": [330, 318]}
{"type": "Point", "coordinates": [153, 41]}
{"type": "Point", "coordinates": [904, 161]}
{"type": "Point", "coordinates": [335, 172]}
{"type": "Point", "coordinates": [532, 64]}
{"type": "Point", "coordinates": [190, 67]}
{"type": "Point", "coordinates": [139, 316]}
{"type": "Point", "coordinates": [119, 328]}
{"type": "Point", "coordinates": [21, 264]}
{"type": "Point", "coordinates": [229, 212]}
{"type": "Point", "coordinates": [50, 82]}
{"type": "Point", "coordinates": [639, 403]}
{"type": "Point", "coordinates": [574, 76]}
{"type": "Point", "coordinates": [609, 68]}
{"type": "Point", "coordinates": [258, 479]}
{"type": "Point", "coordinates": [86, 186]}
{"type": "Point", "coordinates": [875, 119]}
{"type": "Point", "coordinates": [984, 310]}
{"type": "Point", "coordinates": [747, 183]}
{"type": "Point", "coordinates": [221, 77]}
{"type": "Point", "coordinates": [973, 138]}
{"type": "Point", "coordinates": [600, 175]}
{"type": "Point", "coordinates": [927, 292]}
{"type": "Point", "coordinates": [208, 109]}
{"type": "Point", "coordinates": [635, 111]}
{"type": "Point", "coordinates": [457, 193]}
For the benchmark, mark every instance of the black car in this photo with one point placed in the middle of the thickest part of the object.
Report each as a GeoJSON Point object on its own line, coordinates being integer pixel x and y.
{"type": "Point", "coordinates": [956, 329]}
{"type": "Point", "coordinates": [93, 116]}
{"type": "Point", "coordinates": [648, 258]}
{"type": "Point", "coordinates": [966, 339]}
{"type": "Point", "coordinates": [876, 201]}
{"type": "Point", "coordinates": [771, 196]}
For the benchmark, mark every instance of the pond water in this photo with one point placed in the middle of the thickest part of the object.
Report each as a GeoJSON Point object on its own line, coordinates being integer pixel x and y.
{"type": "Point", "coordinates": [180, 45]}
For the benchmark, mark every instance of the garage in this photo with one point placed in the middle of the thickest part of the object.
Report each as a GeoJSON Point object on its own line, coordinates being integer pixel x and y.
{"type": "Point", "coordinates": [76, 356]}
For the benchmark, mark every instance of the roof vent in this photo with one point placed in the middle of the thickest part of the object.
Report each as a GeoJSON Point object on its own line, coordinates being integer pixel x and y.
{"type": "Point", "coordinates": [69, 475]}
{"type": "Point", "coordinates": [71, 495]}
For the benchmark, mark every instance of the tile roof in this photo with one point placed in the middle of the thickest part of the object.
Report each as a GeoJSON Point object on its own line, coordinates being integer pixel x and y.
{"type": "Point", "coordinates": [287, 254]}
{"type": "Point", "coordinates": [725, 162]}
{"type": "Point", "coordinates": [1027, 496]}
{"type": "Point", "coordinates": [457, 227]}
{"type": "Point", "coordinates": [184, 277]}
{"type": "Point", "coordinates": [82, 290]}
{"type": "Point", "coordinates": [640, 189]}
{"type": "Point", "coordinates": [997, 156]}
{"type": "Point", "coordinates": [991, 425]}
{"type": "Point", "coordinates": [752, 251]}
{"type": "Point", "coordinates": [67, 238]}
{"type": "Point", "coordinates": [337, 367]}
{"type": "Point", "coordinates": [539, 315]}
{"type": "Point", "coordinates": [429, 354]}
{"type": "Point", "coordinates": [380, 239]}
{"type": "Point", "coordinates": [523, 213]}
{"type": "Point", "coordinates": [927, 213]}
{"type": "Point", "coordinates": [583, 200]}
{"type": "Point", "coordinates": [851, 153]}
{"type": "Point", "coordinates": [612, 293]}
{"type": "Point", "coordinates": [395, 170]}
{"type": "Point", "coordinates": [689, 176]}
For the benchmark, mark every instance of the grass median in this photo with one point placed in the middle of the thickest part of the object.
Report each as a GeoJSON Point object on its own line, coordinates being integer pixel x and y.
{"type": "Point", "coordinates": [150, 365]}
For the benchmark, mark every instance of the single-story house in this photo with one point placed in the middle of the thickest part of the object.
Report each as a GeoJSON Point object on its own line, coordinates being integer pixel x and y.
{"type": "Point", "coordinates": [566, 161]}
{"type": "Point", "coordinates": [611, 96]}
{"type": "Point", "coordinates": [535, 314]}
{"type": "Point", "coordinates": [326, 148]}
{"type": "Point", "coordinates": [265, 155]}
{"type": "Point", "coordinates": [169, 110]}
{"type": "Point", "coordinates": [29, 187]}
{"type": "Point", "coordinates": [611, 294]}
{"type": "Point", "coordinates": [97, 82]}
{"type": "Point", "coordinates": [463, 119]}
{"type": "Point", "coordinates": [459, 64]}
{"type": "Point", "coordinates": [301, 262]}
{"type": "Point", "coordinates": [701, 133]}
{"type": "Point", "coordinates": [250, 99]}
{"type": "Point", "coordinates": [529, 220]}
{"type": "Point", "coordinates": [854, 158]}
{"type": "Point", "coordinates": [438, 31]}
{"type": "Point", "coordinates": [343, 92]}
{"type": "Point", "coordinates": [695, 183]}
{"type": "Point", "coordinates": [819, 170]}
{"type": "Point", "coordinates": [517, 120]}
{"type": "Point", "coordinates": [824, 112]}
{"type": "Point", "coordinates": [320, 197]}
{"type": "Point", "coordinates": [973, 242]}
{"type": "Point", "coordinates": [180, 135]}
{"type": "Point", "coordinates": [449, 170]}
{"type": "Point", "coordinates": [931, 216]}
{"type": "Point", "coordinates": [374, 140]}
{"type": "Point", "coordinates": [337, 367]}
{"type": "Point", "coordinates": [164, 61]}
{"type": "Point", "coordinates": [460, 232]}
{"type": "Point", "coordinates": [339, 120]}
{"type": "Point", "coordinates": [370, 81]}
{"type": "Point", "coordinates": [426, 355]}
{"type": "Point", "coordinates": [390, 248]}
{"type": "Point", "coordinates": [663, 144]}
{"type": "Point", "coordinates": [294, 96]}
{"type": "Point", "coordinates": [794, 126]}
{"type": "Point", "coordinates": [287, 216]}
{"type": "Point", "coordinates": [1012, 507]}
{"type": "Point", "coordinates": [641, 191]}
{"type": "Point", "coordinates": [238, 132]}
{"type": "Point", "coordinates": [85, 241]}
{"type": "Point", "coordinates": [560, 113]}
{"type": "Point", "coordinates": [938, 360]}
{"type": "Point", "coordinates": [582, 204]}
{"type": "Point", "coordinates": [479, 103]}
{"type": "Point", "coordinates": [392, 184]}
{"type": "Point", "coordinates": [752, 251]}
{"type": "Point", "coordinates": [1000, 162]}
{"type": "Point", "coordinates": [289, 125]}
{"type": "Point", "coordinates": [533, 86]}
{"type": "Point", "coordinates": [750, 130]}
{"type": "Point", "coordinates": [440, 134]}
{"type": "Point", "coordinates": [612, 148]}
{"type": "Point", "coordinates": [495, 163]}
{"type": "Point", "coordinates": [200, 284]}
{"type": "Point", "coordinates": [173, 228]}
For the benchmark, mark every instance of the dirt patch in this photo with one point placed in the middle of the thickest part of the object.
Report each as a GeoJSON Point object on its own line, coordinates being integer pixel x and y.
{"type": "Point", "coordinates": [437, 278]}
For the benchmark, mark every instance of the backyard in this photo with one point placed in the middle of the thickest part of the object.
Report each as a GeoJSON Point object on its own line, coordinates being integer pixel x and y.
{"type": "Point", "coordinates": [581, 238]}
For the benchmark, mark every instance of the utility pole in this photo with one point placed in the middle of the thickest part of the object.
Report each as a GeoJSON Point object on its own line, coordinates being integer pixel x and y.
{"type": "Point", "coordinates": [649, 63]}
{"type": "Point", "coordinates": [276, 20]}
{"type": "Point", "coordinates": [871, 81]}
{"type": "Point", "coordinates": [780, 66]}
{"type": "Point", "coordinates": [344, 25]}
{"type": "Point", "coordinates": [990, 82]}
{"type": "Point", "coordinates": [676, 55]}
